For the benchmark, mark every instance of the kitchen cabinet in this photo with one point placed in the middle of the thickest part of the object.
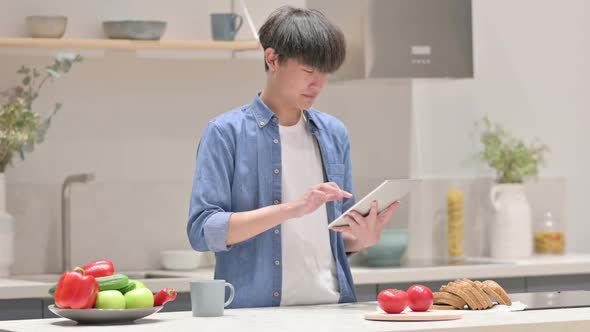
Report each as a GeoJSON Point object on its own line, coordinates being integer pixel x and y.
{"type": "Point", "coordinates": [558, 283]}
{"type": "Point", "coordinates": [46, 312]}
{"type": "Point", "coordinates": [366, 292]}
{"type": "Point", "coordinates": [21, 309]}
{"type": "Point", "coordinates": [182, 303]}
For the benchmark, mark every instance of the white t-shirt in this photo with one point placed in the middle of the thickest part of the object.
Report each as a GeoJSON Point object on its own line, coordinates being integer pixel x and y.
{"type": "Point", "coordinates": [309, 270]}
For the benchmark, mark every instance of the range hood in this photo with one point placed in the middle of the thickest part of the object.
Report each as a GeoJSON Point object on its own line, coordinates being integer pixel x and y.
{"type": "Point", "coordinates": [402, 38]}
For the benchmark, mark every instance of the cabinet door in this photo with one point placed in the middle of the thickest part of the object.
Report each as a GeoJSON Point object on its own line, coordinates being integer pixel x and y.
{"type": "Point", "coordinates": [20, 309]}
{"type": "Point", "coordinates": [46, 313]}
{"type": "Point", "coordinates": [558, 283]}
{"type": "Point", "coordinates": [182, 303]}
{"type": "Point", "coordinates": [366, 293]}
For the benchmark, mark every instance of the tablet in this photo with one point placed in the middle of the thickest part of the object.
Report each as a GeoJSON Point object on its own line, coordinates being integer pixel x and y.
{"type": "Point", "coordinates": [385, 194]}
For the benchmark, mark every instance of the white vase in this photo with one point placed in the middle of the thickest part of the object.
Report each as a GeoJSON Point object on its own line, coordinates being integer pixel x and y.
{"type": "Point", "coordinates": [511, 234]}
{"type": "Point", "coordinates": [7, 228]}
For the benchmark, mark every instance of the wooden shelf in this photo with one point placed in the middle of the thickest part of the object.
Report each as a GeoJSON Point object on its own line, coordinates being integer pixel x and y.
{"type": "Point", "coordinates": [123, 44]}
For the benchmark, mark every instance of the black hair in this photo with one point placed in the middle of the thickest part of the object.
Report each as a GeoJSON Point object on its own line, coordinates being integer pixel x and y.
{"type": "Point", "coordinates": [305, 35]}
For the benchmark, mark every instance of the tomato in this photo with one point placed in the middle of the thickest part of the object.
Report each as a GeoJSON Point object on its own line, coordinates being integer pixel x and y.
{"type": "Point", "coordinates": [393, 301]}
{"type": "Point", "coordinates": [420, 298]}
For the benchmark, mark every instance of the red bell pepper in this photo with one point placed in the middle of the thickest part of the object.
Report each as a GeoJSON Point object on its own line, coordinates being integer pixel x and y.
{"type": "Point", "coordinates": [163, 296]}
{"type": "Point", "coordinates": [101, 268]}
{"type": "Point", "coordinates": [76, 290]}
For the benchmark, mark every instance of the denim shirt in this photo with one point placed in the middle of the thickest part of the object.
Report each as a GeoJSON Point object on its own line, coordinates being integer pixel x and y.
{"type": "Point", "coordinates": [238, 168]}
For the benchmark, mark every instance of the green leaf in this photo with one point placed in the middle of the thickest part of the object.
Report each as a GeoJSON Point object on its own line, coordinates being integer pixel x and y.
{"type": "Point", "coordinates": [513, 160]}
{"type": "Point", "coordinates": [27, 80]}
{"type": "Point", "coordinates": [23, 70]}
{"type": "Point", "coordinates": [53, 73]}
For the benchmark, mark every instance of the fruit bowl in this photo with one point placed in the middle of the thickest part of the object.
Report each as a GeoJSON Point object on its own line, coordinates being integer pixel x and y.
{"type": "Point", "coordinates": [103, 316]}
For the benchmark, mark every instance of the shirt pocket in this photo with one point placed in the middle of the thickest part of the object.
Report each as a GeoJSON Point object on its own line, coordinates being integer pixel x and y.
{"type": "Point", "coordinates": [336, 174]}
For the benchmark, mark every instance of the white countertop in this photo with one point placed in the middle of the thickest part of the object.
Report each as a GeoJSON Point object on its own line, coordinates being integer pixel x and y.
{"type": "Point", "coordinates": [535, 266]}
{"type": "Point", "coordinates": [340, 318]}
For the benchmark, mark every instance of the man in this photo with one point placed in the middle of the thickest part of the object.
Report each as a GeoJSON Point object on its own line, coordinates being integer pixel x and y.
{"type": "Point", "coordinates": [271, 175]}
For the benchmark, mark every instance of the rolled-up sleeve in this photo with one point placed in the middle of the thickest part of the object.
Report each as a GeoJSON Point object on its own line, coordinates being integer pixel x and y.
{"type": "Point", "coordinates": [210, 202]}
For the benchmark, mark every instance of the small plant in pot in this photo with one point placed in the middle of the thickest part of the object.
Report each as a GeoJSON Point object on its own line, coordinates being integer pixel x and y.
{"type": "Point", "coordinates": [20, 129]}
{"type": "Point", "coordinates": [514, 162]}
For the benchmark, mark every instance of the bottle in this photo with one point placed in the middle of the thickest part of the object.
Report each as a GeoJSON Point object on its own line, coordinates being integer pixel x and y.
{"type": "Point", "coordinates": [549, 238]}
{"type": "Point", "coordinates": [455, 223]}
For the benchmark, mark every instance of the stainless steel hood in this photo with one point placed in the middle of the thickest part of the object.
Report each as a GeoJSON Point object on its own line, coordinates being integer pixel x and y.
{"type": "Point", "coordinates": [403, 38]}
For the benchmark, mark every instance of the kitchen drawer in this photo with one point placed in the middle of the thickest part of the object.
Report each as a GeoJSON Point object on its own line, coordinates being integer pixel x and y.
{"type": "Point", "coordinates": [46, 312]}
{"type": "Point", "coordinates": [366, 293]}
{"type": "Point", "coordinates": [20, 309]}
{"type": "Point", "coordinates": [558, 283]}
{"type": "Point", "coordinates": [182, 303]}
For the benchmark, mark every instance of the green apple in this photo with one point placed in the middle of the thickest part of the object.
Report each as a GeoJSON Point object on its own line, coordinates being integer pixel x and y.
{"type": "Point", "coordinates": [139, 298]}
{"type": "Point", "coordinates": [110, 299]}
{"type": "Point", "coordinates": [138, 284]}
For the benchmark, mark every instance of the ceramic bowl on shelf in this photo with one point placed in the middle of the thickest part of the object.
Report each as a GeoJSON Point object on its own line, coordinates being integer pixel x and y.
{"type": "Point", "coordinates": [136, 30]}
{"type": "Point", "coordinates": [185, 259]}
{"type": "Point", "coordinates": [47, 26]}
{"type": "Point", "coordinates": [389, 250]}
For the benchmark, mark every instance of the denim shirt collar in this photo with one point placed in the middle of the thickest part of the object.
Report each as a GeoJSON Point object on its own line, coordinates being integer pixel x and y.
{"type": "Point", "coordinates": [264, 114]}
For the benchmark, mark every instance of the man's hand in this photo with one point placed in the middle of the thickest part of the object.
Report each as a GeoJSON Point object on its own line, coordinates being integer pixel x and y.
{"type": "Point", "coordinates": [363, 232]}
{"type": "Point", "coordinates": [315, 197]}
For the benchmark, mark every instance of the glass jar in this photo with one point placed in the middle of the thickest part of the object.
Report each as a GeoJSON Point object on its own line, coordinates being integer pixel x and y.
{"type": "Point", "coordinates": [549, 237]}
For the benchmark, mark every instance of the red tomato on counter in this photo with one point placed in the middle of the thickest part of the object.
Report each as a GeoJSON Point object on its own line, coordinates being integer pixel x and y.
{"type": "Point", "coordinates": [420, 298]}
{"type": "Point", "coordinates": [393, 301]}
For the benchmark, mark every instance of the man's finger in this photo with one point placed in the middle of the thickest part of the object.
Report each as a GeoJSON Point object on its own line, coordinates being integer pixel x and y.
{"type": "Point", "coordinates": [373, 211]}
{"type": "Point", "coordinates": [357, 216]}
{"type": "Point", "coordinates": [351, 220]}
{"type": "Point", "coordinates": [387, 213]}
{"type": "Point", "coordinates": [341, 229]}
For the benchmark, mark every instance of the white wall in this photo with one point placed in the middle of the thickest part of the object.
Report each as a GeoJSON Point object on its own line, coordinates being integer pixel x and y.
{"type": "Point", "coordinates": [135, 123]}
{"type": "Point", "coordinates": [531, 74]}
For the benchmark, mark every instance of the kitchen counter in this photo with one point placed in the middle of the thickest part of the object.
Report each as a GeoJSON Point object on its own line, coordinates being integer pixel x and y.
{"type": "Point", "coordinates": [570, 264]}
{"type": "Point", "coordinates": [341, 318]}
{"type": "Point", "coordinates": [548, 265]}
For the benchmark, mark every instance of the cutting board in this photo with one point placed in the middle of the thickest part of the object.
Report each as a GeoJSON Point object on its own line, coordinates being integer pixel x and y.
{"type": "Point", "coordinates": [414, 316]}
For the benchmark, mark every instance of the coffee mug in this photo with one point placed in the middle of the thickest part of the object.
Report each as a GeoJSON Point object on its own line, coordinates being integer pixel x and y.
{"type": "Point", "coordinates": [208, 296]}
{"type": "Point", "coordinates": [225, 26]}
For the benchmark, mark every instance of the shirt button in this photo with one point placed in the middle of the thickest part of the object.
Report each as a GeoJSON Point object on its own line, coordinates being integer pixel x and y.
{"type": "Point", "coordinates": [277, 263]}
{"type": "Point", "coordinates": [277, 201]}
{"type": "Point", "coordinates": [262, 123]}
{"type": "Point", "coordinates": [276, 171]}
{"type": "Point", "coordinates": [277, 231]}
{"type": "Point", "coordinates": [274, 120]}
{"type": "Point", "coordinates": [275, 141]}
{"type": "Point", "coordinates": [276, 294]}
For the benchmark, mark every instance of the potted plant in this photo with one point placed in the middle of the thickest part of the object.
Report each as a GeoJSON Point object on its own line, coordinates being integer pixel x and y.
{"type": "Point", "coordinates": [514, 163]}
{"type": "Point", "coordinates": [20, 129]}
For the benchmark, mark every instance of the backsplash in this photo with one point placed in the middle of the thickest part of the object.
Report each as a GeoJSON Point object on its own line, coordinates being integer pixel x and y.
{"type": "Point", "coordinates": [135, 123]}
{"type": "Point", "coordinates": [424, 213]}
